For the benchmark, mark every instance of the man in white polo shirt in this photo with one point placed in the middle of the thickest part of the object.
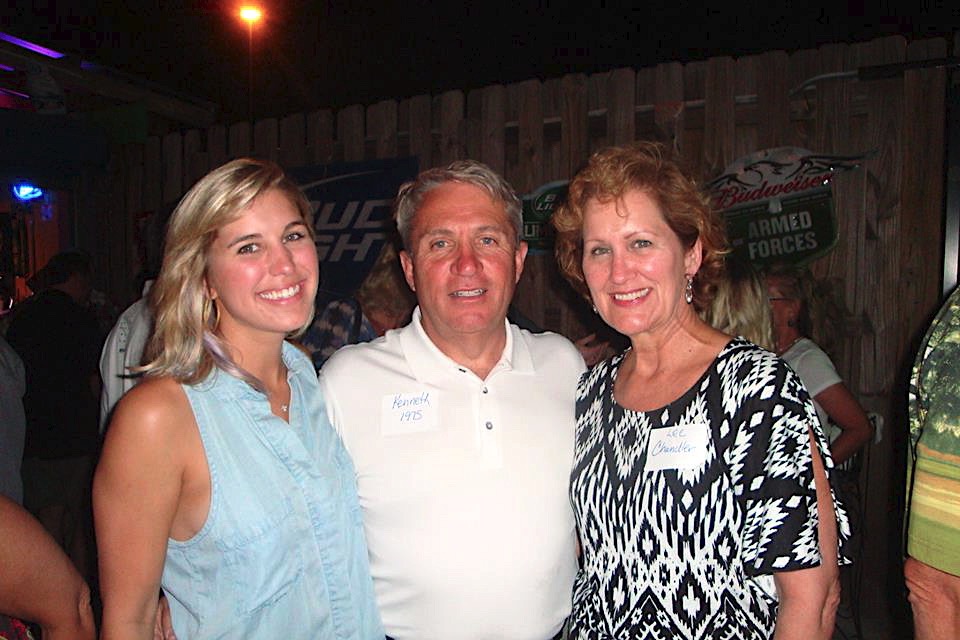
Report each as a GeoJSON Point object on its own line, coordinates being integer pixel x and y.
{"type": "Point", "coordinates": [461, 428]}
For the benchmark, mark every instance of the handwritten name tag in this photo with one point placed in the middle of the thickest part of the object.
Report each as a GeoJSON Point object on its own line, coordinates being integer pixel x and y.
{"type": "Point", "coordinates": [402, 413]}
{"type": "Point", "coordinates": [681, 447]}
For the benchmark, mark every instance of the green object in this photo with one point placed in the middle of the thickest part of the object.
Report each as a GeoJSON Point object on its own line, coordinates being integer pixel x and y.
{"type": "Point", "coordinates": [538, 208]}
{"type": "Point", "coordinates": [791, 230]}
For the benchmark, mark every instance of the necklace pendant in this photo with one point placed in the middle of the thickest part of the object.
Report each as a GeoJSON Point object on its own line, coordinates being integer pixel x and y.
{"type": "Point", "coordinates": [284, 408]}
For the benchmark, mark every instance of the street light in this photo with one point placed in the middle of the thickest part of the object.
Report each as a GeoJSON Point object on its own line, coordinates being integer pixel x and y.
{"type": "Point", "coordinates": [250, 15]}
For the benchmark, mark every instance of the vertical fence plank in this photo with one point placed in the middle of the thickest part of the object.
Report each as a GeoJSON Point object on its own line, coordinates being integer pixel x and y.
{"type": "Point", "coordinates": [718, 116]}
{"type": "Point", "coordinates": [320, 142]}
{"type": "Point", "coordinates": [530, 124]}
{"type": "Point", "coordinates": [669, 112]}
{"type": "Point", "coordinates": [382, 127]}
{"type": "Point", "coordinates": [574, 138]}
{"type": "Point", "coordinates": [493, 104]}
{"type": "Point", "coordinates": [421, 134]}
{"type": "Point", "coordinates": [773, 100]}
{"type": "Point", "coordinates": [452, 144]}
{"type": "Point", "coordinates": [266, 139]}
{"type": "Point", "coordinates": [293, 141]}
{"type": "Point", "coordinates": [195, 159]}
{"type": "Point", "coordinates": [216, 146]}
{"type": "Point", "coordinates": [621, 119]}
{"type": "Point", "coordinates": [239, 143]}
{"type": "Point", "coordinates": [350, 132]}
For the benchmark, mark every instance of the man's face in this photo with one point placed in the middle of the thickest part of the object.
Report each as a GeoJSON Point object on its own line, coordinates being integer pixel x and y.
{"type": "Point", "coordinates": [463, 262]}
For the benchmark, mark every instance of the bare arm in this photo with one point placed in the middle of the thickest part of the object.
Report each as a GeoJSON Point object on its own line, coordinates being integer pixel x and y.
{"type": "Point", "coordinates": [809, 597]}
{"type": "Point", "coordinates": [136, 495]}
{"type": "Point", "coordinates": [39, 583]}
{"type": "Point", "coordinates": [846, 412]}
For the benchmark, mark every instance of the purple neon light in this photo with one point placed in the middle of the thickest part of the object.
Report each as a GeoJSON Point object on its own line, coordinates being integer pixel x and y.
{"type": "Point", "coordinates": [11, 92]}
{"type": "Point", "coordinates": [4, 67]}
{"type": "Point", "coordinates": [50, 53]}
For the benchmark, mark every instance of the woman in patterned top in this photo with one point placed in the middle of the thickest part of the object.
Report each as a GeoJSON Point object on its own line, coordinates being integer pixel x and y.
{"type": "Point", "coordinates": [699, 481]}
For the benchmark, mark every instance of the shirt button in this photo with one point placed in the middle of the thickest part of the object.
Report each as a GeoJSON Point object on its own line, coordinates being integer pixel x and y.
{"type": "Point", "coordinates": [485, 390]}
{"type": "Point", "coordinates": [489, 425]}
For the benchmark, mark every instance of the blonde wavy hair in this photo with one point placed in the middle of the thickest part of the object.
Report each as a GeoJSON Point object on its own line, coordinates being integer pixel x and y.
{"type": "Point", "coordinates": [643, 166]}
{"type": "Point", "coordinates": [740, 305]}
{"type": "Point", "coordinates": [185, 344]}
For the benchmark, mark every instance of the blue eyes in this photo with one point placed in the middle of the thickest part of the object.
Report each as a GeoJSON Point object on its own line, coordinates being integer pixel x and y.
{"type": "Point", "coordinates": [254, 247]}
{"type": "Point", "coordinates": [603, 250]}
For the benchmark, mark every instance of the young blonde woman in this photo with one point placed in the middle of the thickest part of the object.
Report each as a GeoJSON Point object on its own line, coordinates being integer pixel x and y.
{"type": "Point", "coordinates": [221, 481]}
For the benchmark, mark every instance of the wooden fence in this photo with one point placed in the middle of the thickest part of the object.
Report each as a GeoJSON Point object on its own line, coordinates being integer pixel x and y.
{"type": "Point", "coordinates": [887, 261]}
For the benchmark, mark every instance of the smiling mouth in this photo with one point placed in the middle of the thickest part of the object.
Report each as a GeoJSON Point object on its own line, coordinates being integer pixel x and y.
{"type": "Point", "coordinates": [631, 295]}
{"type": "Point", "coordinates": [282, 294]}
{"type": "Point", "coordinates": [468, 293]}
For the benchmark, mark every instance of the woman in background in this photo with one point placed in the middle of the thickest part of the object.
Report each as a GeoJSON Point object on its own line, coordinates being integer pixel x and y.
{"type": "Point", "coordinates": [796, 309]}
{"type": "Point", "coordinates": [740, 306]}
{"type": "Point", "coordinates": [699, 481]}
{"type": "Point", "coordinates": [221, 480]}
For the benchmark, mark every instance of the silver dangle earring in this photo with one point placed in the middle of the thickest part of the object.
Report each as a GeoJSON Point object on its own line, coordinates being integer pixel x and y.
{"type": "Point", "coordinates": [688, 290]}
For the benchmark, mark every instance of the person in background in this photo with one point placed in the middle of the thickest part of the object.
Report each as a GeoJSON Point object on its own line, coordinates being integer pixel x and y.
{"type": "Point", "coordinates": [221, 480]}
{"type": "Point", "coordinates": [932, 566]}
{"type": "Point", "coordinates": [58, 340]}
{"type": "Point", "coordinates": [460, 426]}
{"type": "Point", "coordinates": [700, 473]}
{"type": "Point", "coordinates": [740, 306]}
{"type": "Point", "coordinates": [796, 310]}
{"type": "Point", "coordinates": [13, 423]}
{"type": "Point", "coordinates": [123, 351]}
{"type": "Point", "coordinates": [38, 583]}
{"type": "Point", "coordinates": [383, 302]}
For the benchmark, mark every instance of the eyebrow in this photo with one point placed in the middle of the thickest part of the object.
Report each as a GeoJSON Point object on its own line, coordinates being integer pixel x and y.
{"type": "Point", "coordinates": [255, 236]}
{"type": "Point", "coordinates": [487, 228]}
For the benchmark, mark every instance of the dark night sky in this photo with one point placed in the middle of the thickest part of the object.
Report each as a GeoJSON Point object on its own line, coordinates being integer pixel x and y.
{"type": "Point", "coordinates": [331, 54]}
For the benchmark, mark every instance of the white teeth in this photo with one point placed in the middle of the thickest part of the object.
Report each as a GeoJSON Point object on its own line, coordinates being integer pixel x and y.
{"type": "Point", "coordinates": [282, 294]}
{"type": "Point", "coordinates": [633, 295]}
{"type": "Point", "coordinates": [469, 293]}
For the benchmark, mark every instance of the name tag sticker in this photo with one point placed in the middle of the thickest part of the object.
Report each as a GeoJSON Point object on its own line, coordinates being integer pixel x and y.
{"type": "Point", "coordinates": [403, 413]}
{"type": "Point", "coordinates": [681, 447]}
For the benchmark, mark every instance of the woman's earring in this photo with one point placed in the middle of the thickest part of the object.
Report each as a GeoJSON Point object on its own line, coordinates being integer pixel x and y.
{"type": "Point", "coordinates": [688, 290]}
{"type": "Point", "coordinates": [210, 309]}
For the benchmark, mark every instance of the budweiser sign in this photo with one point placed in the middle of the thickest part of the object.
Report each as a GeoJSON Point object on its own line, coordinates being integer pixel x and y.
{"type": "Point", "coordinates": [778, 203]}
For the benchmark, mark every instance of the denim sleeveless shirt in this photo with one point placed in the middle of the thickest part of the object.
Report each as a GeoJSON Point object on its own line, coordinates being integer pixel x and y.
{"type": "Point", "coordinates": [282, 552]}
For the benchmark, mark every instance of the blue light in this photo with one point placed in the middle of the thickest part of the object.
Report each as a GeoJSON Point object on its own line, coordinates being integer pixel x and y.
{"type": "Point", "coordinates": [25, 191]}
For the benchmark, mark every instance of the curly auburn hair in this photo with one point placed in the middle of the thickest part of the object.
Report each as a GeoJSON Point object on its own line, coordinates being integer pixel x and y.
{"type": "Point", "coordinates": [609, 175]}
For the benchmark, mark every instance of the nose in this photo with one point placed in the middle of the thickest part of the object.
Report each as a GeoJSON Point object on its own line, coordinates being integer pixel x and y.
{"type": "Point", "coordinates": [620, 267]}
{"type": "Point", "coordinates": [466, 261]}
{"type": "Point", "coordinates": [281, 260]}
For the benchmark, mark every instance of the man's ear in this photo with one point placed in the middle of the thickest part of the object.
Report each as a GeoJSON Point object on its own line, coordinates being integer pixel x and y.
{"type": "Point", "coordinates": [406, 262]}
{"type": "Point", "coordinates": [520, 257]}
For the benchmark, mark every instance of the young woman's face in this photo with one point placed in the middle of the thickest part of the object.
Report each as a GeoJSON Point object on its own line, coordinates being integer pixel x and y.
{"type": "Point", "coordinates": [262, 269]}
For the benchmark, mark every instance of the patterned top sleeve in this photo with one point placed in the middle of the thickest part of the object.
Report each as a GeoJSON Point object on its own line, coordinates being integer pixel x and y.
{"type": "Point", "coordinates": [772, 450]}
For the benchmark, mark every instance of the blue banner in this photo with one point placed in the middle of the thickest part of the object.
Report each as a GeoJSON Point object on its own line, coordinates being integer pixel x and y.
{"type": "Point", "coordinates": [352, 204]}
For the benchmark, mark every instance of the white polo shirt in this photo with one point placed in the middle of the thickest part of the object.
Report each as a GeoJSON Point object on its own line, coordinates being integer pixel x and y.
{"type": "Point", "coordinates": [463, 482]}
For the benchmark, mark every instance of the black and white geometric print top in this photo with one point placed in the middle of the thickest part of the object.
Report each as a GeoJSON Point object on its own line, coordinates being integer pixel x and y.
{"type": "Point", "coordinates": [685, 512]}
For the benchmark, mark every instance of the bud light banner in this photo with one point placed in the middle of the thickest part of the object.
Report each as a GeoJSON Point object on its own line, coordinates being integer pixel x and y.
{"type": "Point", "coordinates": [352, 204]}
{"type": "Point", "coordinates": [778, 204]}
{"type": "Point", "coordinates": [538, 207]}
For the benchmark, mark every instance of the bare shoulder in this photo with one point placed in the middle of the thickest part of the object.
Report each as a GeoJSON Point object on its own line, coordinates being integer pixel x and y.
{"type": "Point", "coordinates": [157, 408]}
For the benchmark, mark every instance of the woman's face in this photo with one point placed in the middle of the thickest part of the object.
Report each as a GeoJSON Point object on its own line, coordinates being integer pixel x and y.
{"type": "Point", "coordinates": [262, 270]}
{"type": "Point", "coordinates": [635, 265]}
{"type": "Point", "coordinates": [784, 309]}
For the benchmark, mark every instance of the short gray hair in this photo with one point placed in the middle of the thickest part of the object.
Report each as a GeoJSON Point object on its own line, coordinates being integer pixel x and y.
{"type": "Point", "coordinates": [411, 194]}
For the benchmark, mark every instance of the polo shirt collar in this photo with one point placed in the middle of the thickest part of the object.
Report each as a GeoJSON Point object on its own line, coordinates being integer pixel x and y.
{"type": "Point", "coordinates": [431, 365]}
